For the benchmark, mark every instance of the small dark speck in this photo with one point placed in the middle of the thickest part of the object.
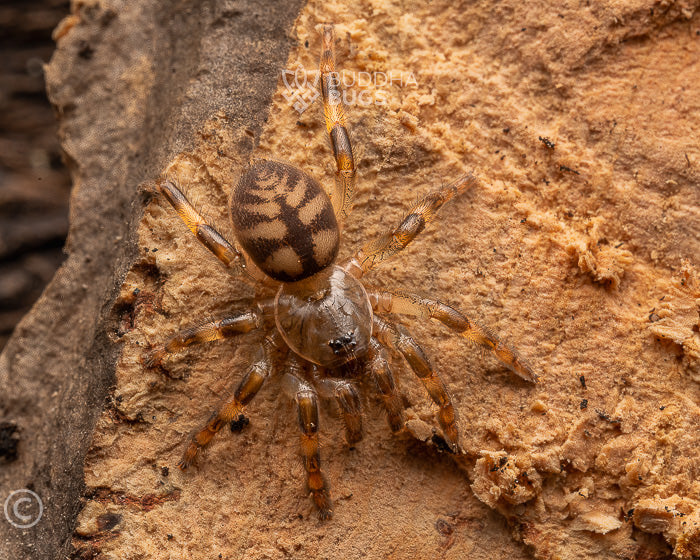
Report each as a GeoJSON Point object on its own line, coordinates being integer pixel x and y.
{"type": "Point", "coordinates": [108, 521]}
{"type": "Point", "coordinates": [523, 220]}
{"type": "Point", "coordinates": [506, 130]}
{"type": "Point", "coordinates": [306, 44]}
{"type": "Point", "coordinates": [444, 528]}
{"type": "Point", "coordinates": [170, 537]}
{"type": "Point", "coordinates": [653, 317]}
{"type": "Point", "coordinates": [565, 168]}
{"type": "Point", "coordinates": [165, 471]}
{"type": "Point", "coordinates": [662, 407]}
{"type": "Point", "coordinates": [154, 250]}
{"type": "Point", "coordinates": [523, 29]}
{"type": "Point", "coordinates": [503, 157]}
{"type": "Point", "coordinates": [9, 441]}
{"type": "Point", "coordinates": [85, 51]}
{"type": "Point", "coordinates": [584, 404]}
{"type": "Point", "coordinates": [547, 142]}
{"type": "Point", "coordinates": [662, 298]}
{"type": "Point", "coordinates": [619, 245]}
{"type": "Point", "coordinates": [582, 379]}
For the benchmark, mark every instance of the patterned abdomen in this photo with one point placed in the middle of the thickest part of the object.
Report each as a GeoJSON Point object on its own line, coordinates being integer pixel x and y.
{"type": "Point", "coordinates": [284, 221]}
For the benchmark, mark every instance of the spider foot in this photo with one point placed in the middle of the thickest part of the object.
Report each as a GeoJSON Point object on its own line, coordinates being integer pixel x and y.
{"type": "Point", "coordinates": [447, 418]}
{"type": "Point", "coordinates": [320, 495]}
{"type": "Point", "coordinates": [395, 419]}
{"type": "Point", "coordinates": [189, 457]}
{"type": "Point", "coordinates": [153, 359]}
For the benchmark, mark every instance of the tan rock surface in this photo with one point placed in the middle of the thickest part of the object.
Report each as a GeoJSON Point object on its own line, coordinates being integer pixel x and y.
{"type": "Point", "coordinates": [583, 255]}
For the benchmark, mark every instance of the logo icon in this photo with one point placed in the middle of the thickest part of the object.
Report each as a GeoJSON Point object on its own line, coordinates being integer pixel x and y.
{"type": "Point", "coordinates": [23, 508]}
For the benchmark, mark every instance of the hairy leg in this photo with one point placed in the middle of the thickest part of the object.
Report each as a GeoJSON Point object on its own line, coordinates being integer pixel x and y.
{"type": "Point", "coordinates": [380, 371]}
{"type": "Point", "coordinates": [307, 408]}
{"type": "Point", "coordinates": [197, 224]}
{"type": "Point", "coordinates": [204, 332]}
{"type": "Point", "coordinates": [410, 304]}
{"type": "Point", "coordinates": [232, 409]}
{"type": "Point", "coordinates": [334, 113]}
{"type": "Point", "coordinates": [422, 212]}
{"type": "Point", "coordinates": [348, 399]}
{"type": "Point", "coordinates": [399, 338]}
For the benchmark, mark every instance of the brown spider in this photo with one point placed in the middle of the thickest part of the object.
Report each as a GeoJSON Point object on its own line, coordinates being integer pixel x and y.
{"type": "Point", "coordinates": [316, 314]}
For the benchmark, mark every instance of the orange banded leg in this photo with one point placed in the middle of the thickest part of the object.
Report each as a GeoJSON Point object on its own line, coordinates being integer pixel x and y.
{"type": "Point", "coordinates": [307, 407]}
{"type": "Point", "coordinates": [233, 408]}
{"type": "Point", "coordinates": [204, 332]}
{"type": "Point", "coordinates": [334, 114]}
{"type": "Point", "coordinates": [425, 308]}
{"type": "Point", "coordinates": [379, 368]}
{"type": "Point", "coordinates": [194, 221]}
{"type": "Point", "coordinates": [399, 337]}
{"type": "Point", "coordinates": [348, 399]}
{"type": "Point", "coordinates": [422, 212]}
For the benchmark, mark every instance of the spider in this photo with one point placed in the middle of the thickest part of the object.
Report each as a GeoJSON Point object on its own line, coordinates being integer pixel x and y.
{"type": "Point", "coordinates": [317, 316]}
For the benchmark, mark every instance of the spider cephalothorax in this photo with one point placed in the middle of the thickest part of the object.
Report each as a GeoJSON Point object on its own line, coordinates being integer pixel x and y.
{"type": "Point", "coordinates": [318, 318]}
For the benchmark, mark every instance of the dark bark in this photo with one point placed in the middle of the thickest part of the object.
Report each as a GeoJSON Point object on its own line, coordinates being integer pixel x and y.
{"type": "Point", "coordinates": [131, 84]}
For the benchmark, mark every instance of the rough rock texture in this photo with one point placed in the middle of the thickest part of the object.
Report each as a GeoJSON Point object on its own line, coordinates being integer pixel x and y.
{"type": "Point", "coordinates": [579, 248]}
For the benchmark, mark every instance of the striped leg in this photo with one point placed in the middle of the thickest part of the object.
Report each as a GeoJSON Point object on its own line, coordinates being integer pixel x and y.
{"type": "Point", "coordinates": [379, 368]}
{"type": "Point", "coordinates": [425, 308]}
{"type": "Point", "coordinates": [307, 407]}
{"type": "Point", "coordinates": [232, 409]}
{"type": "Point", "coordinates": [422, 212]}
{"type": "Point", "coordinates": [204, 332]}
{"type": "Point", "coordinates": [334, 113]}
{"type": "Point", "coordinates": [194, 221]}
{"type": "Point", "coordinates": [399, 338]}
{"type": "Point", "coordinates": [348, 399]}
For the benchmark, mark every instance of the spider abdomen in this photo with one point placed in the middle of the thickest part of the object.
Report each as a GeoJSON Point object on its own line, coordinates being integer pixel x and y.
{"type": "Point", "coordinates": [284, 221]}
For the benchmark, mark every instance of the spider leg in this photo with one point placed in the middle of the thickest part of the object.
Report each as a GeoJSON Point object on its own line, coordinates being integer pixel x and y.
{"type": "Point", "coordinates": [307, 407]}
{"type": "Point", "coordinates": [348, 399]}
{"type": "Point", "coordinates": [334, 113]}
{"type": "Point", "coordinates": [232, 409]}
{"type": "Point", "coordinates": [380, 371]}
{"type": "Point", "coordinates": [426, 308]}
{"type": "Point", "coordinates": [413, 223]}
{"type": "Point", "coordinates": [197, 224]}
{"type": "Point", "coordinates": [203, 332]}
{"type": "Point", "coordinates": [399, 338]}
